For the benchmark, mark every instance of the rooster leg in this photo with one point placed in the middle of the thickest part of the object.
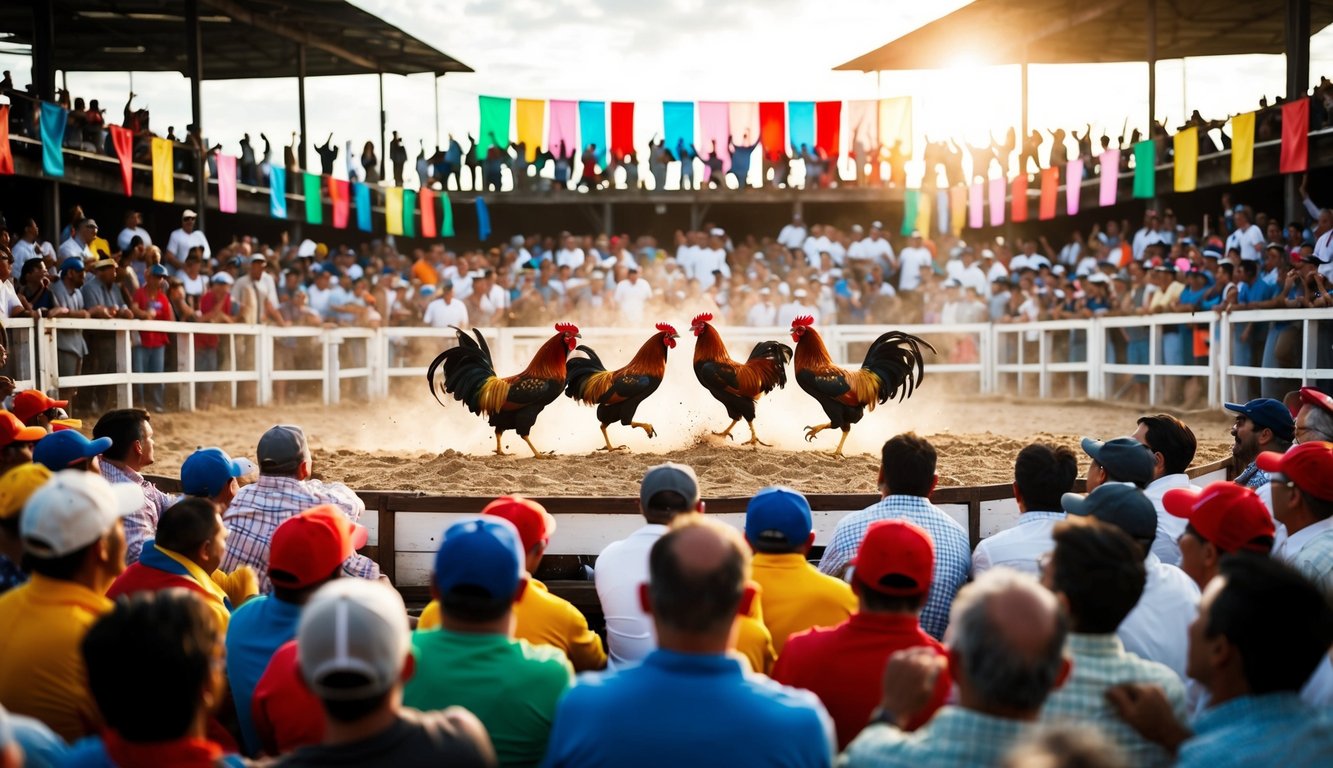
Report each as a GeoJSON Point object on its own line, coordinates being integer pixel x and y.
{"type": "Point", "coordinates": [727, 432]}
{"type": "Point", "coordinates": [498, 450]}
{"type": "Point", "coordinates": [754, 438]}
{"type": "Point", "coordinates": [607, 438]}
{"type": "Point", "coordinates": [845, 432]}
{"type": "Point", "coordinates": [810, 432]}
{"type": "Point", "coordinates": [646, 427]}
{"type": "Point", "coordinates": [536, 453]}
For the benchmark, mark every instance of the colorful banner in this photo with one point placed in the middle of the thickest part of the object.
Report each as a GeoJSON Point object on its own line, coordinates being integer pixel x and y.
{"type": "Point", "coordinates": [1295, 136]}
{"type": "Point", "coordinates": [997, 189]}
{"type": "Point", "coordinates": [164, 183]}
{"type": "Point", "coordinates": [446, 215]}
{"type": "Point", "coordinates": [592, 124]}
{"type": "Point", "coordinates": [409, 213]}
{"type": "Point", "coordinates": [361, 197]}
{"type": "Point", "coordinates": [958, 210]}
{"type": "Point", "coordinates": [942, 211]}
{"type": "Point", "coordinates": [226, 183]}
{"type": "Point", "coordinates": [123, 140]}
{"type": "Point", "coordinates": [1242, 147]}
{"type": "Point", "coordinates": [564, 127]}
{"type": "Point", "coordinates": [52, 125]}
{"type": "Point", "coordinates": [622, 129]}
{"type": "Point", "coordinates": [976, 209]}
{"type": "Point", "coordinates": [494, 123]}
{"type": "Point", "coordinates": [677, 124]}
{"type": "Point", "coordinates": [1145, 170]}
{"type": "Point", "coordinates": [863, 125]}
{"type": "Point", "coordinates": [714, 130]}
{"type": "Point", "coordinates": [1018, 199]}
{"type": "Point", "coordinates": [773, 129]}
{"type": "Point", "coordinates": [529, 120]}
{"type": "Point", "coordinates": [1073, 186]}
{"type": "Point", "coordinates": [1110, 177]}
{"type": "Point", "coordinates": [895, 123]}
{"type": "Point", "coordinates": [277, 193]}
{"type": "Point", "coordinates": [314, 205]}
{"type": "Point", "coordinates": [801, 125]}
{"type": "Point", "coordinates": [483, 220]}
{"type": "Point", "coordinates": [339, 202]}
{"type": "Point", "coordinates": [1185, 160]}
{"type": "Point", "coordinates": [744, 119]}
{"type": "Point", "coordinates": [925, 205]}
{"type": "Point", "coordinates": [393, 210]}
{"type": "Point", "coordinates": [828, 127]}
{"type": "Point", "coordinates": [427, 203]}
{"type": "Point", "coordinates": [1050, 193]}
{"type": "Point", "coordinates": [6, 155]}
{"type": "Point", "coordinates": [909, 211]}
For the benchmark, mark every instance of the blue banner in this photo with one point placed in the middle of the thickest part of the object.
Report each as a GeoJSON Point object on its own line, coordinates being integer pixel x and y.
{"type": "Point", "coordinates": [592, 123]}
{"type": "Point", "coordinates": [277, 192]}
{"type": "Point", "coordinates": [801, 125]}
{"type": "Point", "coordinates": [53, 121]}
{"type": "Point", "coordinates": [678, 123]}
{"type": "Point", "coordinates": [483, 220]}
{"type": "Point", "coordinates": [361, 199]}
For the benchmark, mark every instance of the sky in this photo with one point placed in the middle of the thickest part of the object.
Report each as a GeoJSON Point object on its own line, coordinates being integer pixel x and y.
{"type": "Point", "coordinates": [689, 50]}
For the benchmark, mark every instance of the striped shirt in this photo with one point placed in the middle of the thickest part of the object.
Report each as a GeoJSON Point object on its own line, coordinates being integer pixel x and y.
{"type": "Point", "coordinates": [141, 524]}
{"type": "Point", "coordinates": [953, 555]}
{"type": "Point", "coordinates": [1272, 729]}
{"type": "Point", "coordinates": [954, 738]}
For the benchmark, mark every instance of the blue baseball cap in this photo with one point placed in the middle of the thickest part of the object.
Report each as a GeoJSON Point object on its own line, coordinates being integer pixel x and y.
{"type": "Point", "coordinates": [483, 553]}
{"type": "Point", "coordinates": [72, 262]}
{"type": "Point", "coordinates": [1123, 506]}
{"type": "Point", "coordinates": [208, 470]}
{"type": "Point", "coordinates": [778, 515]}
{"type": "Point", "coordinates": [1124, 458]}
{"type": "Point", "coordinates": [1267, 413]}
{"type": "Point", "coordinates": [61, 449]}
{"type": "Point", "coordinates": [159, 270]}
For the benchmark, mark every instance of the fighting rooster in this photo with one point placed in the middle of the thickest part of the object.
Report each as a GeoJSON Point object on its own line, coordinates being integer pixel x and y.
{"type": "Point", "coordinates": [617, 394]}
{"type": "Point", "coordinates": [737, 385]}
{"type": "Point", "coordinates": [893, 362]}
{"type": "Point", "coordinates": [514, 401]}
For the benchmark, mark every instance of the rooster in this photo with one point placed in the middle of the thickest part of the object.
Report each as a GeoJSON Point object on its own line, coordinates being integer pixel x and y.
{"type": "Point", "coordinates": [512, 402]}
{"type": "Point", "coordinates": [893, 363]}
{"type": "Point", "coordinates": [618, 394]}
{"type": "Point", "coordinates": [737, 385]}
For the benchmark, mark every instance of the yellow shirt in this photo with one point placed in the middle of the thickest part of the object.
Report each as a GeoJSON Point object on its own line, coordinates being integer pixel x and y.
{"type": "Point", "coordinates": [753, 640]}
{"type": "Point", "coordinates": [216, 594]}
{"type": "Point", "coordinates": [796, 596]}
{"type": "Point", "coordinates": [41, 666]}
{"type": "Point", "coordinates": [542, 618]}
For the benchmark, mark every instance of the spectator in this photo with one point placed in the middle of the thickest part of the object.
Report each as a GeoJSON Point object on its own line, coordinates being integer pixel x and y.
{"type": "Point", "coordinates": [215, 306]}
{"type": "Point", "coordinates": [794, 596]}
{"type": "Point", "coordinates": [472, 660]}
{"type": "Point", "coordinates": [445, 311]}
{"type": "Point", "coordinates": [1007, 652]}
{"type": "Point", "coordinates": [1042, 474]}
{"type": "Point", "coordinates": [1303, 502]}
{"type": "Point", "coordinates": [698, 580]}
{"type": "Point", "coordinates": [1314, 420]}
{"type": "Point", "coordinates": [1122, 460]}
{"type": "Point", "coordinates": [150, 303]}
{"type": "Point", "coordinates": [211, 474]}
{"type": "Point", "coordinates": [132, 449]}
{"type": "Point", "coordinates": [632, 294]}
{"type": "Point", "coordinates": [67, 297]}
{"type": "Point", "coordinates": [1223, 519]}
{"type": "Point", "coordinates": [844, 665]}
{"type": "Point", "coordinates": [35, 408]}
{"type": "Point", "coordinates": [1173, 445]}
{"type": "Point", "coordinates": [79, 243]}
{"type": "Point", "coordinates": [1261, 425]}
{"type": "Point", "coordinates": [1096, 572]}
{"type": "Point", "coordinates": [906, 479]}
{"type": "Point", "coordinates": [16, 486]}
{"type": "Point", "coordinates": [133, 228]}
{"type": "Point", "coordinates": [183, 240]}
{"type": "Point", "coordinates": [256, 294]}
{"type": "Point", "coordinates": [75, 544]}
{"type": "Point", "coordinates": [69, 449]}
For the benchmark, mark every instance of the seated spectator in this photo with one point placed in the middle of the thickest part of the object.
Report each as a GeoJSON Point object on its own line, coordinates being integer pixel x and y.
{"type": "Point", "coordinates": [540, 617]}
{"type": "Point", "coordinates": [353, 648]}
{"type": "Point", "coordinates": [1006, 652]}
{"type": "Point", "coordinates": [1158, 626]}
{"type": "Point", "coordinates": [1042, 474]}
{"type": "Point", "coordinates": [74, 541]}
{"type": "Point", "coordinates": [844, 665]}
{"type": "Point", "coordinates": [1262, 629]}
{"type": "Point", "coordinates": [1314, 420]}
{"type": "Point", "coordinates": [1261, 425]}
{"type": "Point", "coordinates": [688, 700]}
{"type": "Point", "coordinates": [69, 449]}
{"type": "Point", "coordinates": [1222, 519]}
{"type": "Point", "coordinates": [472, 660]}
{"type": "Point", "coordinates": [1303, 502]}
{"type": "Point", "coordinates": [35, 408]}
{"type": "Point", "coordinates": [132, 449]}
{"type": "Point", "coordinates": [16, 441]}
{"type": "Point", "coordinates": [1173, 445]}
{"type": "Point", "coordinates": [795, 596]}
{"type": "Point", "coordinates": [211, 474]}
{"type": "Point", "coordinates": [16, 485]}
{"type": "Point", "coordinates": [1122, 460]}
{"type": "Point", "coordinates": [1097, 572]}
{"type": "Point", "coordinates": [160, 718]}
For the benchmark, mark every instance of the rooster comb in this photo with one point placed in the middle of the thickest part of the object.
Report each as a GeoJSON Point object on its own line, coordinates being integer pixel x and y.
{"type": "Point", "coordinates": [702, 317]}
{"type": "Point", "coordinates": [804, 321]}
{"type": "Point", "coordinates": [667, 328]}
{"type": "Point", "coordinates": [566, 328]}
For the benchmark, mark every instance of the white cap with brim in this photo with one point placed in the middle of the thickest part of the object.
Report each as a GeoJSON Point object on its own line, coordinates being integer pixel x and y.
{"type": "Point", "coordinates": [72, 510]}
{"type": "Point", "coordinates": [353, 640]}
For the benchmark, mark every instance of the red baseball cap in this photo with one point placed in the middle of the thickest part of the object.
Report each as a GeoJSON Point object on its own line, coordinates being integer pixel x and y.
{"type": "Point", "coordinates": [31, 402]}
{"type": "Point", "coordinates": [895, 558]}
{"type": "Point", "coordinates": [1229, 516]}
{"type": "Point", "coordinates": [535, 525]}
{"type": "Point", "coordinates": [1316, 398]}
{"type": "Point", "coordinates": [1308, 465]}
{"type": "Point", "coordinates": [308, 547]}
{"type": "Point", "coordinates": [12, 430]}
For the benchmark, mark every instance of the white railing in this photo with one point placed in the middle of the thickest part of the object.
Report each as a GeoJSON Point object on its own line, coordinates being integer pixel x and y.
{"type": "Point", "coordinates": [261, 364]}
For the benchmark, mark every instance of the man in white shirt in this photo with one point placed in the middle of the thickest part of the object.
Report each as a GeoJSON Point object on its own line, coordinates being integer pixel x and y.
{"type": "Point", "coordinates": [79, 240]}
{"type": "Point", "coordinates": [796, 308]}
{"type": "Point", "coordinates": [815, 245]}
{"type": "Point", "coordinates": [632, 294]}
{"type": "Point", "coordinates": [321, 292]}
{"type": "Point", "coordinates": [257, 294]}
{"type": "Point", "coordinates": [445, 310]}
{"type": "Point", "coordinates": [1173, 445]}
{"type": "Point", "coordinates": [667, 490]}
{"type": "Point", "coordinates": [711, 259]}
{"type": "Point", "coordinates": [1302, 486]}
{"type": "Point", "coordinates": [492, 300]}
{"type": "Point", "coordinates": [875, 248]}
{"type": "Point", "coordinates": [793, 235]}
{"type": "Point", "coordinates": [569, 254]}
{"type": "Point", "coordinates": [764, 314]}
{"type": "Point", "coordinates": [183, 239]}
{"type": "Point", "coordinates": [993, 269]}
{"type": "Point", "coordinates": [1042, 475]}
{"type": "Point", "coordinates": [914, 258]}
{"type": "Point", "coordinates": [971, 275]}
{"type": "Point", "coordinates": [133, 226]}
{"type": "Point", "coordinates": [1147, 235]}
{"type": "Point", "coordinates": [27, 246]}
{"type": "Point", "coordinates": [1248, 238]}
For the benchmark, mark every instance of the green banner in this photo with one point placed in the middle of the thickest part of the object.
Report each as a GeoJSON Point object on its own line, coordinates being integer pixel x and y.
{"type": "Point", "coordinates": [446, 215]}
{"type": "Point", "coordinates": [494, 124]}
{"type": "Point", "coordinates": [314, 207]}
{"type": "Point", "coordinates": [1145, 170]}
{"type": "Point", "coordinates": [409, 213]}
{"type": "Point", "coordinates": [909, 211]}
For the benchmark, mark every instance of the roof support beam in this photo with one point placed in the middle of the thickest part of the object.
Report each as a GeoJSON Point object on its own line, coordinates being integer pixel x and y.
{"type": "Point", "coordinates": [194, 56]}
{"type": "Point", "coordinates": [1298, 85]}
{"type": "Point", "coordinates": [239, 13]}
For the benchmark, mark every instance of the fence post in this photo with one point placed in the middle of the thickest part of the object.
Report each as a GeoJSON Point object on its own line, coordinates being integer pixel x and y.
{"type": "Point", "coordinates": [1043, 363]}
{"type": "Point", "coordinates": [185, 363]}
{"type": "Point", "coordinates": [377, 355]}
{"type": "Point", "coordinates": [46, 374]}
{"type": "Point", "coordinates": [1224, 359]}
{"type": "Point", "coordinates": [124, 363]}
{"type": "Point", "coordinates": [1154, 348]}
{"type": "Point", "coordinates": [264, 361]}
{"type": "Point", "coordinates": [332, 368]}
{"type": "Point", "coordinates": [986, 357]}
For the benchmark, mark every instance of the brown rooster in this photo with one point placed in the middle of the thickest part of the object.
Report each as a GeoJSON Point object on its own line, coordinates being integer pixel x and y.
{"type": "Point", "coordinates": [737, 385]}
{"type": "Point", "coordinates": [892, 363]}
{"type": "Point", "coordinates": [512, 402]}
{"type": "Point", "coordinates": [617, 394]}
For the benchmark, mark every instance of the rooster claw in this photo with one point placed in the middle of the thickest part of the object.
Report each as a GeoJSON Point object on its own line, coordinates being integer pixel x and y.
{"type": "Point", "coordinates": [727, 435]}
{"type": "Point", "coordinates": [613, 448]}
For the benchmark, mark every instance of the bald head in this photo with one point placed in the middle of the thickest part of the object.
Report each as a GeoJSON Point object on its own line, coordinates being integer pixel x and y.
{"type": "Point", "coordinates": [697, 574]}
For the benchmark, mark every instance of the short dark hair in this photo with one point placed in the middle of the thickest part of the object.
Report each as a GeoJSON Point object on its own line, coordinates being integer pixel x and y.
{"type": "Point", "coordinates": [300, 595]}
{"type": "Point", "coordinates": [664, 506]}
{"type": "Point", "coordinates": [474, 604]}
{"type": "Point", "coordinates": [907, 462]}
{"type": "Point", "coordinates": [124, 426]}
{"type": "Point", "coordinates": [1099, 569]}
{"type": "Point", "coordinates": [878, 602]}
{"type": "Point", "coordinates": [187, 524]}
{"type": "Point", "coordinates": [1043, 473]}
{"type": "Point", "coordinates": [1320, 509]}
{"type": "Point", "coordinates": [60, 568]}
{"type": "Point", "coordinates": [350, 711]}
{"type": "Point", "coordinates": [1279, 621]}
{"type": "Point", "coordinates": [690, 600]}
{"type": "Point", "coordinates": [171, 632]}
{"type": "Point", "coordinates": [1172, 438]}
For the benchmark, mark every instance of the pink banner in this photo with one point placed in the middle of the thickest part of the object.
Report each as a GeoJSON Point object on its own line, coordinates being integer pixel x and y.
{"type": "Point", "coordinates": [564, 127]}
{"type": "Point", "coordinates": [997, 190]}
{"type": "Point", "coordinates": [976, 212]}
{"type": "Point", "coordinates": [1110, 176]}
{"type": "Point", "coordinates": [227, 183]}
{"type": "Point", "coordinates": [1073, 186]}
{"type": "Point", "coordinates": [744, 118]}
{"type": "Point", "coordinates": [714, 128]}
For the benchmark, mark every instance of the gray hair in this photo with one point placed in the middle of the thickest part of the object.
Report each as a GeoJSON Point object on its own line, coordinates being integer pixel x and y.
{"type": "Point", "coordinates": [1318, 425]}
{"type": "Point", "coordinates": [1000, 674]}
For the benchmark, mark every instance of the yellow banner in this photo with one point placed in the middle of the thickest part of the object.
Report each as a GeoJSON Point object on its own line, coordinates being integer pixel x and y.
{"type": "Point", "coordinates": [957, 210]}
{"type": "Point", "coordinates": [164, 186]}
{"type": "Point", "coordinates": [895, 123]}
{"type": "Point", "coordinates": [393, 210]}
{"type": "Point", "coordinates": [925, 204]}
{"type": "Point", "coordinates": [1186, 160]}
{"type": "Point", "coordinates": [1242, 147]}
{"type": "Point", "coordinates": [530, 119]}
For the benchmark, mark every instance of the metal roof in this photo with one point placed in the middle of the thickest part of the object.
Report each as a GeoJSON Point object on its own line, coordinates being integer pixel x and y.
{"type": "Point", "coordinates": [240, 38]}
{"type": "Point", "coordinates": [1076, 31]}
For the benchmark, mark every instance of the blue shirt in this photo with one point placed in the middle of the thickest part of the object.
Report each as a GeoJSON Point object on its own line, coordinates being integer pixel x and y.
{"type": "Point", "coordinates": [679, 709]}
{"type": "Point", "coordinates": [257, 629]}
{"type": "Point", "coordinates": [1272, 729]}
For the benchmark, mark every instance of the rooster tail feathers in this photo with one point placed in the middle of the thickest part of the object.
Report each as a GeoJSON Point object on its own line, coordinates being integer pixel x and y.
{"type": "Point", "coordinates": [895, 358]}
{"type": "Point", "coordinates": [579, 369]}
{"type": "Point", "coordinates": [467, 369]}
{"type": "Point", "coordinates": [770, 358]}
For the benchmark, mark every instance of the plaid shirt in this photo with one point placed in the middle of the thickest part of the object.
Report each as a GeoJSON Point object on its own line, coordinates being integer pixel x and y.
{"type": "Point", "coordinates": [141, 524]}
{"type": "Point", "coordinates": [261, 507]}
{"type": "Point", "coordinates": [953, 555]}
{"type": "Point", "coordinates": [954, 738]}
{"type": "Point", "coordinates": [1099, 662]}
{"type": "Point", "coordinates": [1272, 729]}
{"type": "Point", "coordinates": [1252, 477]}
{"type": "Point", "coordinates": [1310, 550]}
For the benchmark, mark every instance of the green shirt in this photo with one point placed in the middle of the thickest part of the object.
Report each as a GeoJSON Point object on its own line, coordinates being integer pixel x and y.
{"type": "Point", "coordinates": [510, 685]}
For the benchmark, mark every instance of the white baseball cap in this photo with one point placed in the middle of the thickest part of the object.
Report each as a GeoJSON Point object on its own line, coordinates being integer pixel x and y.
{"type": "Point", "coordinates": [356, 629]}
{"type": "Point", "coordinates": [72, 510]}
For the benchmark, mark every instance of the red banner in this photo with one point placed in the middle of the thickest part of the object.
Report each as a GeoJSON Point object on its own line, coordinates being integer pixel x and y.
{"type": "Point", "coordinates": [426, 199]}
{"type": "Point", "coordinates": [123, 141]}
{"type": "Point", "coordinates": [773, 128]}
{"type": "Point", "coordinates": [1295, 136]}
{"type": "Point", "coordinates": [828, 126]}
{"type": "Point", "coordinates": [1018, 207]}
{"type": "Point", "coordinates": [622, 129]}
{"type": "Point", "coordinates": [6, 157]}
{"type": "Point", "coordinates": [1050, 188]}
{"type": "Point", "coordinates": [339, 198]}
